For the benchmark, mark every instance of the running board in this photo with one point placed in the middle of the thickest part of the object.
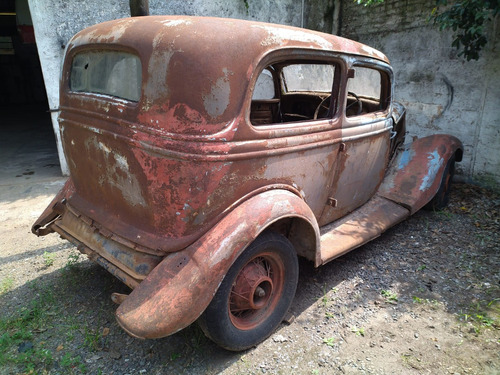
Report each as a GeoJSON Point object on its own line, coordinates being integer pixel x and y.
{"type": "Point", "coordinates": [360, 226]}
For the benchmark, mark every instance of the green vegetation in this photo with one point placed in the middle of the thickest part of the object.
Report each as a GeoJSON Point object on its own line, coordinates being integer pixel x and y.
{"type": "Point", "coordinates": [18, 344]}
{"type": "Point", "coordinates": [483, 315]}
{"type": "Point", "coordinates": [92, 339]}
{"type": "Point", "coordinates": [6, 284]}
{"type": "Point", "coordinates": [330, 341]}
{"type": "Point", "coordinates": [24, 333]}
{"type": "Point", "coordinates": [68, 362]}
{"type": "Point", "coordinates": [389, 296]}
{"type": "Point", "coordinates": [358, 331]}
{"type": "Point", "coordinates": [73, 259]}
{"type": "Point", "coordinates": [423, 301]}
{"type": "Point", "coordinates": [467, 19]}
{"type": "Point", "coordinates": [48, 258]}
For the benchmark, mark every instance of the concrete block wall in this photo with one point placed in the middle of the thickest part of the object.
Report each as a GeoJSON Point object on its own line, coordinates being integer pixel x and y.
{"type": "Point", "coordinates": [442, 92]}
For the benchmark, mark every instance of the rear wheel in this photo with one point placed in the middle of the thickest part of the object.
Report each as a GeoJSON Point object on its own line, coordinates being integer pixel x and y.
{"type": "Point", "coordinates": [255, 294]}
{"type": "Point", "coordinates": [442, 196]}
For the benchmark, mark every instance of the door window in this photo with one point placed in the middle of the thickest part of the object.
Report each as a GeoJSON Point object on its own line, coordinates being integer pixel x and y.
{"type": "Point", "coordinates": [291, 92]}
{"type": "Point", "coordinates": [367, 92]}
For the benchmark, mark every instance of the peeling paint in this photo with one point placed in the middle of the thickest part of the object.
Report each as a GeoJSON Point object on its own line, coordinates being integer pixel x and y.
{"type": "Point", "coordinates": [435, 162]}
{"type": "Point", "coordinates": [373, 52]}
{"type": "Point", "coordinates": [281, 36]}
{"type": "Point", "coordinates": [175, 23]}
{"type": "Point", "coordinates": [405, 158]}
{"type": "Point", "coordinates": [217, 100]}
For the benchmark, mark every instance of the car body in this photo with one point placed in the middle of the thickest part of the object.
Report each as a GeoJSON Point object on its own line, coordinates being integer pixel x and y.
{"type": "Point", "coordinates": [206, 154]}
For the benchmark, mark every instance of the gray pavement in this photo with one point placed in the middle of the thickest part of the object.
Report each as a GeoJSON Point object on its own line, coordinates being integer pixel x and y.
{"type": "Point", "coordinates": [28, 152]}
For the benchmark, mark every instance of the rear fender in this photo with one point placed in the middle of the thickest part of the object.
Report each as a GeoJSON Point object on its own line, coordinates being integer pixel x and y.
{"type": "Point", "coordinates": [180, 288]}
{"type": "Point", "coordinates": [415, 174]}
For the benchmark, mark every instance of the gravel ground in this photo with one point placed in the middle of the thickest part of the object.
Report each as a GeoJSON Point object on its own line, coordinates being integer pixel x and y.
{"type": "Point", "coordinates": [423, 298]}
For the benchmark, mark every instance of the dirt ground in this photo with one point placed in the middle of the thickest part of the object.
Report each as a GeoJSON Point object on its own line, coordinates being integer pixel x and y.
{"type": "Point", "coordinates": [422, 299]}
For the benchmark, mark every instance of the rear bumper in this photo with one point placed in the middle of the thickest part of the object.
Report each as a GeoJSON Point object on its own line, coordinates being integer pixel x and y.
{"type": "Point", "coordinates": [129, 262]}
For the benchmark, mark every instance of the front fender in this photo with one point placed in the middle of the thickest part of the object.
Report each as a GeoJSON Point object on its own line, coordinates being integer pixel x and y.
{"type": "Point", "coordinates": [415, 174]}
{"type": "Point", "coordinates": [180, 288]}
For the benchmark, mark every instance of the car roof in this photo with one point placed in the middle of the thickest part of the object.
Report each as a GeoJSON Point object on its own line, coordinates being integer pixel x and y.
{"type": "Point", "coordinates": [197, 70]}
{"type": "Point", "coordinates": [240, 37]}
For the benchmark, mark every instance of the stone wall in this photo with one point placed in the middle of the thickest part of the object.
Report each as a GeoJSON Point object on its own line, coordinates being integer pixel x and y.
{"type": "Point", "coordinates": [442, 92]}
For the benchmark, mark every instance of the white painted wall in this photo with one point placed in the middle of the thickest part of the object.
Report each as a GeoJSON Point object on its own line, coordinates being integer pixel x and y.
{"type": "Point", "coordinates": [55, 22]}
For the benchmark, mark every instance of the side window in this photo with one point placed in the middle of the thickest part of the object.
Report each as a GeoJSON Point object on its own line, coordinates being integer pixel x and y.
{"type": "Point", "coordinates": [264, 88]}
{"type": "Point", "coordinates": [367, 92]}
{"type": "Point", "coordinates": [295, 92]}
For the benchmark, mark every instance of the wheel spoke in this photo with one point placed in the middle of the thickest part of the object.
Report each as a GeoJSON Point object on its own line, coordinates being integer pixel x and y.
{"type": "Point", "coordinates": [239, 295]}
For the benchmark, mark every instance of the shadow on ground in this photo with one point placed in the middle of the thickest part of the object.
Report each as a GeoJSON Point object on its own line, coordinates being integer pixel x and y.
{"type": "Point", "coordinates": [447, 259]}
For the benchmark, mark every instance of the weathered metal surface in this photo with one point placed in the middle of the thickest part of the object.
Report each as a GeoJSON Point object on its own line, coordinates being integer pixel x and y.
{"type": "Point", "coordinates": [359, 227]}
{"type": "Point", "coordinates": [179, 289]}
{"type": "Point", "coordinates": [166, 191]}
{"type": "Point", "coordinates": [256, 291]}
{"type": "Point", "coordinates": [180, 157]}
{"type": "Point", "coordinates": [359, 170]}
{"type": "Point", "coordinates": [135, 263]}
{"type": "Point", "coordinates": [118, 298]}
{"type": "Point", "coordinates": [415, 174]}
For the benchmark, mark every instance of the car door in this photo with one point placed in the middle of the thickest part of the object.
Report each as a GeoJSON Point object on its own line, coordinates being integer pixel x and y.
{"type": "Point", "coordinates": [364, 150]}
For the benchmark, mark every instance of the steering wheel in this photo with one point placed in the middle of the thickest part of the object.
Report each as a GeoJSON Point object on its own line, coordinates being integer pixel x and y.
{"type": "Point", "coordinates": [322, 106]}
{"type": "Point", "coordinates": [357, 101]}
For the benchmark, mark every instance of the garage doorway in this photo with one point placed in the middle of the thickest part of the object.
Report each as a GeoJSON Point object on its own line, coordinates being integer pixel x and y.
{"type": "Point", "coordinates": [27, 142]}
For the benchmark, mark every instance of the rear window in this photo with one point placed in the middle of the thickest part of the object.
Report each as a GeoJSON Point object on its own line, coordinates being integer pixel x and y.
{"type": "Point", "coordinates": [111, 73]}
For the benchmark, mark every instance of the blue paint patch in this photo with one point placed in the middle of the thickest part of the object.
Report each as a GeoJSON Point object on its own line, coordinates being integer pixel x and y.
{"type": "Point", "coordinates": [433, 165]}
{"type": "Point", "coordinates": [405, 158]}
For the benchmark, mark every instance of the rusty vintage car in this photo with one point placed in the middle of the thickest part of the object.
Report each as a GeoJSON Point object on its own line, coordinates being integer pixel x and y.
{"type": "Point", "coordinates": [206, 155]}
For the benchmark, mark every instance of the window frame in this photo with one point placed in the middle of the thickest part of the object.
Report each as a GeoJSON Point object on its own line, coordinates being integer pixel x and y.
{"type": "Point", "coordinates": [285, 58]}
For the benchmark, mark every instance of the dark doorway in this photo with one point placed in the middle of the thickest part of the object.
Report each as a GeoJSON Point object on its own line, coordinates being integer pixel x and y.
{"type": "Point", "coordinates": [27, 144]}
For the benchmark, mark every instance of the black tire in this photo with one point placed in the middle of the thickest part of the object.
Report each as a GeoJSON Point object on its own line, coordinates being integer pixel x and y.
{"type": "Point", "coordinates": [442, 196]}
{"type": "Point", "coordinates": [255, 294]}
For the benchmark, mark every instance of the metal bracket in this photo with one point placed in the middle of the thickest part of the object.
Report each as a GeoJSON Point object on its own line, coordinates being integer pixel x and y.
{"type": "Point", "coordinates": [332, 201]}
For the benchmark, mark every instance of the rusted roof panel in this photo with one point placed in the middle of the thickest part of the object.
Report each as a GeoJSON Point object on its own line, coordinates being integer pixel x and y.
{"type": "Point", "coordinates": [217, 56]}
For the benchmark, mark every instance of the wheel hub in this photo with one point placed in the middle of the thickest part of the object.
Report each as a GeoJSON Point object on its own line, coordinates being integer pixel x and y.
{"type": "Point", "coordinates": [252, 288]}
